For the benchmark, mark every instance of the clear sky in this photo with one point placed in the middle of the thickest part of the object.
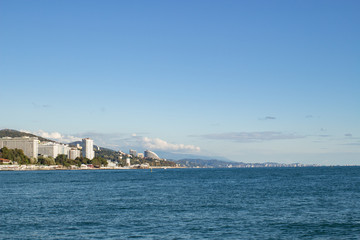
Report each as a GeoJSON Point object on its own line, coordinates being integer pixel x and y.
{"type": "Point", "coordinates": [252, 81]}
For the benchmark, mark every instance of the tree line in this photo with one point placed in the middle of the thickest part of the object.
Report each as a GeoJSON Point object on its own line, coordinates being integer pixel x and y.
{"type": "Point", "coordinates": [62, 159]}
{"type": "Point", "coordinates": [17, 155]}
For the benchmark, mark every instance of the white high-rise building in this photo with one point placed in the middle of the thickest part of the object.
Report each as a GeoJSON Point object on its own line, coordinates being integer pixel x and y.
{"type": "Point", "coordinates": [74, 153]}
{"type": "Point", "coordinates": [63, 149]}
{"type": "Point", "coordinates": [88, 148]}
{"type": "Point", "coordinates": [49, 149]}
{"type": "Point", "coordinates": [127, 162]}
{"type": "Point", "coordinates": [54, 149]}
{"type": "Point", "coordinates": [28, 144]}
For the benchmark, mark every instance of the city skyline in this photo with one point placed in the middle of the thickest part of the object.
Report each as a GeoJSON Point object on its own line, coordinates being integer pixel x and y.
{"type": "Point", "coordinates": [251, 81]}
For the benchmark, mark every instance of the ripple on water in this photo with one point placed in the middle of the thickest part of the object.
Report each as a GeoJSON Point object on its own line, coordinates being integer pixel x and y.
{"type": "Point", "coordinates": [302, 203]}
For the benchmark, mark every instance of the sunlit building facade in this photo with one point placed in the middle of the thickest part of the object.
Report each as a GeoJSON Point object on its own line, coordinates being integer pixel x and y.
{"type": "Point", "coordinates": [150, 154]}
{"type": "Point", "coordinates": [74, 153]}
{"type": "Point", "coordinates": [88, 148]}
{"type": "Point", "coordinates": [49, 149]}
{"type": "Point", "coordinates": [28, 144]}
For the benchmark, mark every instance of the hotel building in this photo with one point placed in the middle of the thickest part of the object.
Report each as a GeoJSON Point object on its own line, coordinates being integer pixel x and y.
{"type": "Point", "coordinates": [49, 149]}
{"type": "Point", "coordinates": [28, 144]}
{"type": "Point", "coordinates": [74, 153]}
{"type": "Point", "coordinates": [88, 148]}
{"type": "Point", "coordinates": [150, 154]}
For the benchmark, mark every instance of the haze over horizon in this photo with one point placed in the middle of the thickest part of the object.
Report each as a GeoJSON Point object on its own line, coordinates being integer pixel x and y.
{"type": "Point", "coordinates": [253, 81]}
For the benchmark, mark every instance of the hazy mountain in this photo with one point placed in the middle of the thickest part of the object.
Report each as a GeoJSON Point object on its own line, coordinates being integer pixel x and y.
{"type": "Point", "coordinates": [193, 163]}
{"type": "Point", "coordinates": [210, 163]}
{"type": "Point", "coordinates": [179, 156]}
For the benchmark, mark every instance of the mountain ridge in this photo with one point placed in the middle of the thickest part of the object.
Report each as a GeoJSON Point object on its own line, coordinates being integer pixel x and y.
{"type": "Point", "coordinates": [15, 133]}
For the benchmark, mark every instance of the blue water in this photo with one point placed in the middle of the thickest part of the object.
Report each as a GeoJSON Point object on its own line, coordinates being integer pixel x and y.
{"type": "Point", "coordinates": [267, 203]}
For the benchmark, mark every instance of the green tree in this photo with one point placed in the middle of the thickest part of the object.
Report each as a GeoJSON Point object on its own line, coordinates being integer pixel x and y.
{"type": "Point", "coordinates": [61, 159]}
{"type": "Point", "coordinates": [104, 162]}
{"type": "Point", "coordinates": [33, 160]}
{"type": "Point", "coordinates": [15, 155]}
{"type": "Point", "coordinates": [83, 160]}
{"type": "Point", "coordinates": [46, 160]}
{"type": "Point", "coordinates": [99, 161]}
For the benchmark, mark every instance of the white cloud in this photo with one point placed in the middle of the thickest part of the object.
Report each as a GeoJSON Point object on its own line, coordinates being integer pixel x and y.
{"type": "Point", "coordinates": [56, 136]}
{"type": "Point", "coordinates": [267, 118]}
{"type": "Point", "coordinates": [25, 131]}
{"type": "Point", "coordinates": [135, 141]}
{"type": "Point", "coordinates": [51, 135]}
{"type": "Point", "coordinates": [159, 144]}
{"type": "Point", "coordinates": [120, 141]}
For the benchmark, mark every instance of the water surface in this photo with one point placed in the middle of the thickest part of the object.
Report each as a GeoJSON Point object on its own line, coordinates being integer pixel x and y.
{"type": "Point", "coordinates": [266, 203]}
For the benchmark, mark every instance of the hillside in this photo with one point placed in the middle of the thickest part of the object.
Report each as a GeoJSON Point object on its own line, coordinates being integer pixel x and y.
{"type": "Point", "coordinates": [214, 163]}
{"type": "Point", "coordinates": [211, 163]}
{"type": "Point", "coordinates": [14, 133]}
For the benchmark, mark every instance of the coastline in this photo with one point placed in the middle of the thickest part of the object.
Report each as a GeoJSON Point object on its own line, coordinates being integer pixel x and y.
{"type": "Point", "coordinates": [72, 167]}
{"type": "Point", "coordinates": [134, 167]}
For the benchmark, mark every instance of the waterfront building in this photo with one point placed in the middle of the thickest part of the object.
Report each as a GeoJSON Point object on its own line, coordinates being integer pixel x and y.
{"type": "Point", "coordinates": [28, 144]}
{"type": "Point", "coordinates": [111, 164]}
{"type": "Point", "coordinates": [88, 148]}
{"type": "Point", "coordinates": [54, 149]}
{"type": "Point", "coordinates": [133, 153]}
{"type": "Point", "coordinates": [49, 149]}
{"type": "Point", "coordinates": [4, 160]}
{"type": "Point", "coordinates": [74, 153]}
{"type": "Point", "coordinates": [64, 149]}
{"type": "Point", "coordinates": [140, 155]}
{"type": "Point", "coordinates": [150, 154]}
{"type": "Point", "coordinates": [128, 162]}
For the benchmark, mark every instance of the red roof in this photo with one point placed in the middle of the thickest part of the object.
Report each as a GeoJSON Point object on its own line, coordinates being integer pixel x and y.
{"type": "Point", "coordinates": [4, 160]}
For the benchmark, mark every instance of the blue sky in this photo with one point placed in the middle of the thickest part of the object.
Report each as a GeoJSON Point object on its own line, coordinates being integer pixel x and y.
{"type": "Point", "coordinates": [251, 81]}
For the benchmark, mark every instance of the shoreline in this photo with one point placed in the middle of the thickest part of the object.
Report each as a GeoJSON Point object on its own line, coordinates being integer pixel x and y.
{"type": "Point", "coordinates": [73, 167]}
{"type": "Point", "coordinates": [135, 167]}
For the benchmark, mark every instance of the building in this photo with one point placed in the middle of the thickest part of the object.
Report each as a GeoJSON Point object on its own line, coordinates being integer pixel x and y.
{"type": "Point", "coordinates": [127, 162]}
{"type": "Point", "coordinates": [133, 153]}
{"type": "Point", "coordinates": [29, 145]}
{"type": "Point", "coordinates": [140, 155]}
{"type": "Point", "coordinates": [4, 160]}
{"type": "Point", "coordinates": [150, 154]}
{"type": "Point", "coordinates": [88, 148]}
{"type": "Point", "coordinates": [49, 149]}
{"type": "Point", "coordinates": [74, 153]}
{"type": "Point", "coordinates": [111, 164]}
{"type": "Point", "coordinates": [64, 149]}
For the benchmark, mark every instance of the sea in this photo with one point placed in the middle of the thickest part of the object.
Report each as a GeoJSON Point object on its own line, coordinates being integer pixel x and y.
{"type": "Point", "coordinates": [243, 203]}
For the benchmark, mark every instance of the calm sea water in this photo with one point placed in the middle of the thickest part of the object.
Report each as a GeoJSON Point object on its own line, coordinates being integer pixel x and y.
{"type": "Point", "coordinates": [268, 203]}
